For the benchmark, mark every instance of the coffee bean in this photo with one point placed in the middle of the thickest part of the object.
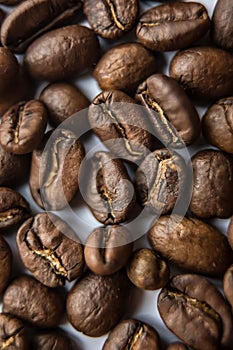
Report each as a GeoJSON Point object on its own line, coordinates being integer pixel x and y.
{"type": "Point", "coordinates": [53, 340]}
{"type": "Point", "coordinates": [230, 233]}
{"type": "Point", "coordinates": [228, 285]}
{"type": "Point", "coordinates": [2, 16]}
{"type": "Point", "coordinates": [177, 346]}
{"type": "Point", "coordinates": [205, 320]}
{"type": "Point", "coordinates": [22, 127]}
{"type": "Point", "coordinates": [222, 24]}
{"type": "Point", "coordinates": [191, 244]}
{"type": "Point", "coordinates": [212, 184]}
{"type": "Point", "coordinates": [107, 187]}
{"type": "Point", "coordinates": [13, 335]}
{"type": "Point", "coordinates": [31, 301]}
{"type": "Point", "coordinates": [173, 26]}
{"type": "Point", "coordinates": [121, 124]}
{"type": "Point", "coordinates": [96, 303]}
{"type": "Point", "coordinates": [55, 169]}
{"type": "Point", "coordinates": [205, 72]}
{"type": "Point", "coordinates": [132, 334]}
{"type": "Point", "coordinates": [62, 101]}
{"type": "Point", "coordinates": [9, 69]}
{"type": "Point", "coordinates": [13, 168]}
{"type": "Point", "coordinates": [217, 124]}
{"type": "Point", "coordinates": [33, 18]}
{"type": "Point", "coordinates": [11, 2]}
{"type": "Point", "coordinates": [160, 180]}
{"type": "Point", "coordinates": [6, 265]}
{"type": "Point", "coordinates": [172, 115]}
{"type": "Point", "coordinates": [13, 208]}
{"type": "Point", "coordinates": [147, 271]}
{"type": "Point", "coordinates": [111, 19]}
{"type": "Point", "coordinates": [62, 53]}
{"type": "Point", "coordinates": [52, 260]}
{"type": "Point", "coordinates": [124, 67]}
{"type": "Point", "coordinates": [107, 249]}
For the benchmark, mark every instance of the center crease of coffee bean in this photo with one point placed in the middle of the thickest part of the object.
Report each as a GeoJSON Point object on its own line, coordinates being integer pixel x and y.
{"type": "Point", "coordinates": [134, 338]}
{"type": "Point", "coordinates": [104, 243]}
{"type": "Point", "coordinates": [10, 340]}
{"type": "Point", "coordinates": [9, 214]}
{"type": "Point", "coordinates": [19, 117]}
{"type": "Point", "coordinates": [114, 15]}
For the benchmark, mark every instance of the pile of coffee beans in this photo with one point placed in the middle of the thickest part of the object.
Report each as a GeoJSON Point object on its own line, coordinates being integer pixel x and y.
{"type": "Point", "coordinates": [155, 193]}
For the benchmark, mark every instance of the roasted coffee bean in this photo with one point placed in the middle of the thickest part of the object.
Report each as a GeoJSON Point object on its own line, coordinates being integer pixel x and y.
{"type": "Point", "coordinates": [147, 271]}
{"type": "Point", "coordinates": [228, 285]}
{"type": "Point", "coordinates": [52, 259]}
{"type": "Point", "coordinates": [2, 16]}
{"type": "Point", "coordinates": [160, 180]}
{"type": "Point", "coordinates": [132, 334]}
{"type": "Point", "coordinates": [121, 124]}
{"type": "Point", "coordinates": [21, 90]}
{"type": "Point", "coordinates": [212, 184]}
{"type": "Point", "coordinates": [31, 301]}
{"type": "Point", "coordinates": [177, 346]}
{"type": "Point", "coordinates": [217, 124]}
{"type": "Point", "coordinates": [96, 303]}
{"type": "Point", "coordinates": [230, 233]}
{"type": "Point", "coordinates": [6, 262]}
{"type": "Point", "coordinates": [191, 244]}
{"type": "Point", "coordinates": [173, 117]}
{"type": "Point", "coordinates": [107, 249]}
{"type": "Point", "coordinates": [62, 101]}
{"type": "Point", "coordinates": [173, 26]}
{"type": "Point", "coordinates": [124, 67]}
{"type": "Point", "coordinates": [107, 188]}
{"type": "Point", "coordinates": [13, 334]}
{"type": "Point", "coordinates": [33, 18]}
{"type": "Point", "coordinates": [62, 53]}
{"type": "Point", "coordinates": [205, 72]}
{"type": "Point", "coordinates": [13, 208]}
{"type": "Point", "coordinates": [53, 340]}
{"type": "Point", "coordinates": [205, 320]}
{"type": "Point", "coordinates": [55, 168]}
{"type": "Point", "coordinates": [11, 2]}
{"type": "Point", "coordinates": [111, 19]}
{"type": "Point", "coordinates": [9, 69]}
{"type": "Point", "coordinates": [222, 24]}
{"type": "Point", "coordinates": [22, 127]}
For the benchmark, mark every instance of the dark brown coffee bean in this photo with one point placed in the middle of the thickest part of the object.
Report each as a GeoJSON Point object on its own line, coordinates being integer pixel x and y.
{"type": "Point", "coordinates": [191, 244]}
{"type": "Point", "coordinates": [5, 263]}
{"type": "Point", "coordinates": [55, 168]}
{"type": "Point", "coordinates": [9, 69]}
{"type": "Point", "coordinates": [172, 115]}
{"type": "Point", "coordinates": [147, 271]}
{"type": "Point", "coordinates": [124, 67]}
{"type": "Point", "coordinates": [173, 26]}
{"type": "Point", "coordinates": [107, 249]}
{"type": "Point", "coordinates": [37, 17]}
{"type": "Point", "coordinates": [31, 301]}
{"type": "Point", "coordinates": [205, 72]}
{"type": "Point", "coordinates": [120, 124]}
{"type": "Point", "coordinates": [205, 320]}
{"type": "Point", "coordinates": [52, 260]}
{"type": "Point", "coordinates": [111, 19]}
{"type": "Point", "coordinates": [2, 16]}
{"type": "Point", "coordinates": [21, 90]}
{"type": "Point", "coordinates": [62, 101]}
{"type": "Point", "coordinates": [96, 303]}
{"type": "Point", "coordinates": [230, 233]}
{"type": "Point", "coordinates": [22, 127]}
{"type": "Point", "coordinates": [53, 340]}
{"type": "Point", "coordinates": [132, 334]}
{"type": "Point", "coordinates": [212, 184]}
{"type": "Point", "coordinates": [177, 346]}
{"type": "Point", "coordinates": [13, 208]}
{"type": "Point", "coordinates": [13, 335]}
{"type": "Point", "coordinates": [107, 188]}
{"type": "Point", "coordinates": [62, 53]}
{"type": "Point", "coordinates": [222, 24]}
{"type": "Point", "coordinates": [11, 2]}
{"type": "Point", "coordinates": [228, 285]}
{"type": "Point", "coordinates": [160, 180]}
{"type": "Point", "coordinates": [217, 124]}
{"type": "Point", "coordinates": [13, 168]}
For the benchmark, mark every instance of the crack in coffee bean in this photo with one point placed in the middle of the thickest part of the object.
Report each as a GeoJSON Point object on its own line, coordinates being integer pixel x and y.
{"type": "Point", "coordinates": [114, 15]}
{"type": "Point", "coordinates": [103, 191]}
{"type": "Point", "coordinates": [105, 239]}
{"type": "Point", "coordinates": [10, 214]}
{"type": "Point", "coordinates": [134, 338]}
{"type": "Point", "coordinates": [164, 120]}
{"type": "Point", "coordinates": [11, 339]}
{"type": "Point", "coordinates": [121, 130]}
{"type": "Point", "coordinates": [17, 117]}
